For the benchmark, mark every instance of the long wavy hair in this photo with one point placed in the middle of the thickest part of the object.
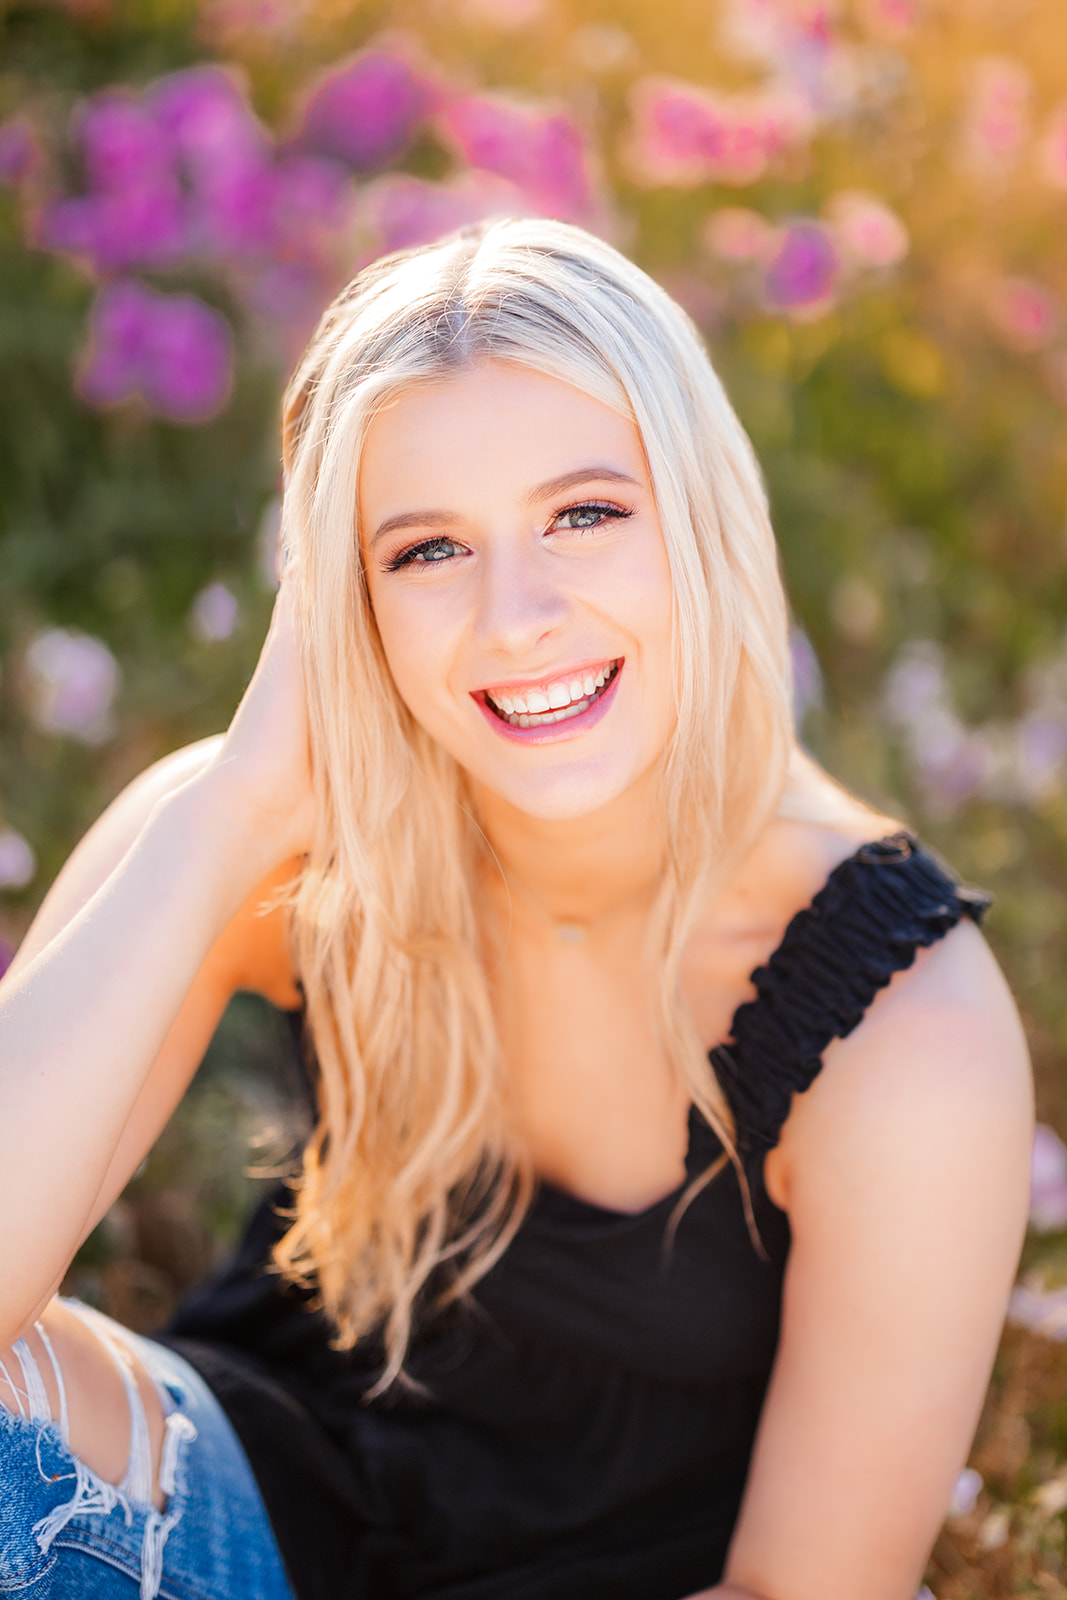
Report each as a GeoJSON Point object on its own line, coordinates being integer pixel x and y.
{"type": "Point", "coordinates": [414, 1177]}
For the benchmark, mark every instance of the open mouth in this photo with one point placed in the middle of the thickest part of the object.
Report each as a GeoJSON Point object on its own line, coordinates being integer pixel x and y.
{"type": "Point", "coordinates": [562, 700]}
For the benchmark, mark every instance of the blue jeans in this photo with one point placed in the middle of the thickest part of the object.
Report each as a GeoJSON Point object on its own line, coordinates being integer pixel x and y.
{"type": "Point", "coordinates": [65, 1534]}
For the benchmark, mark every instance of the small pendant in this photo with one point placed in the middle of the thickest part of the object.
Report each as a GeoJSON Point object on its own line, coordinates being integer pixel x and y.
{"type": "Point", "coordinates": [570, 932]}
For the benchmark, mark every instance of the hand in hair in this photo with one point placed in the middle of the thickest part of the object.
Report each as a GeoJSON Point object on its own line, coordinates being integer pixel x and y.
{"type": "Point", "coordinates": [264, 760]}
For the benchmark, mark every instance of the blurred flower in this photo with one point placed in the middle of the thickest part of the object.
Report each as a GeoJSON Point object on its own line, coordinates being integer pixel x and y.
{"type": "Point", "coordinates": [997, 113]}
{"type": "Point", "coordinates": [542, 154]}
{"type": "Point", "coordinates": [18, 864]}
{"type": "Point", "coordinates": [133, 214]}
{"type": "Point", "coordinates": [229, 23]}
{"type": "Point", "coordinates": [734, 233]}
{"type": "Point", "coordinates": [213, 615]}
{"type": "Point", "coordinates": [7, 955]}
{"type": "Point", "coordinates": [892, 19]}
{"type": "Point", "coordinates": [803, 273]}
{"type": "Point", "coordinates": [684, 135]}
{"type": "Point", "coordinates": [1048, 1181]}
{"type": "Point", "coordinates": [20, 154]}
{"type": "Point", "coordinates": [867, 232]}
{"type": "Point", "coordinates": [398, 211]}
{"type": "Point", "coordinates": [951, 761]}
{"type": "Point", "coordinates": [600, 47]}
{"type": "Point", "coordinates": [1041, 1310]}
{"type": "Point", "coordinates": [1041, 756]}
{"type": "Point", "coordinates": [965, 1492]}
{"type": "Point", "coordinates": [1023, 313]}
{"type": "Point", "coordinates": [72, 679]}
{"type": "Point", "coordinates": [807, 676]}
{"type": "Point", "coordinates": [365, 111]}
{"type": "Point", "coordinates": [172, 350]}
{"type": "Point", "coordinates": [1052, 151]}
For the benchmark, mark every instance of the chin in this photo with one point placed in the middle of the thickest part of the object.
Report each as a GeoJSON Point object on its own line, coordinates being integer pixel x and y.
{"type": "Point", "coordinates": [559, 797]}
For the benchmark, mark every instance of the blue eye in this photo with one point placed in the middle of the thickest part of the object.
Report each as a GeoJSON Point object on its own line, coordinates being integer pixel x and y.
{"type": "Point", "coordinates": [426, 554]}
{"type": "Point", "coordinates": [589, 515]}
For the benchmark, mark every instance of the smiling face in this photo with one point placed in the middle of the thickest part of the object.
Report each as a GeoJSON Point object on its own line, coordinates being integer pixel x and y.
{"type": "Point", "coordinates": [519, 580]}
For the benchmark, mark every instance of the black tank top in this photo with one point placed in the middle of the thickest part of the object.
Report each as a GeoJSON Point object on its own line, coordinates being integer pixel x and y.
{"type": "Point", "coordinates": [581, 1429]}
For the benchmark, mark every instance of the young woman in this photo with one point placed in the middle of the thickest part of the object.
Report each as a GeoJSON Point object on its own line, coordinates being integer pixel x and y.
{"type": "Point", "coordinates": [670, 1163]}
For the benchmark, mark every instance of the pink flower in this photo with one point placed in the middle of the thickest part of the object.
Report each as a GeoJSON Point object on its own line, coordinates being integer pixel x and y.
{"type": "Point", "coordinates": [685, 135]}
{"type": "Point", "coordinates": [172, 350]}
{"type": "Point", "coordinates": [1048, 1181]}
{"type": "Point", "coordinates": [1052, 152]}
{"type": "Point", "coordinates": [1023, 313]}
{"type": "Point", "coordinates": [365, 111]}
{"type": "Point", "coordinates": [803, 273]}
{"type": "Point", "coordinates": [72, 679]}
{"type": "Point", "coordinates": [997, 114]}
{"type": "Point", "coordinates": [892, 19]}
{"type": "Point", "coordinates": [733, 233]}
{"type": "Point", "coordinates": [868, 233]}
{"type": "Point", "coordinates": [20, 154]}
{"type": "Point", "coordinates": [542, 154]}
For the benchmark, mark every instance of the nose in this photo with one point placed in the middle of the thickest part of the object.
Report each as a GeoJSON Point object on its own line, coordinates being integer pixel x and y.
{"type": "Point", "coordinates": [520, 601]}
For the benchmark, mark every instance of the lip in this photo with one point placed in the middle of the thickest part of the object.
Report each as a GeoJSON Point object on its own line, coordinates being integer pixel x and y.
{"type": "Point", "coordinates": [554, 732]}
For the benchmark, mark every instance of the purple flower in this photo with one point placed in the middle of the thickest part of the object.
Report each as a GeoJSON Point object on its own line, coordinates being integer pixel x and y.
{"type": "Point", "coordinates": [399, 211]}
{"type": "Point", "coordinates": [72, 679]}
{"type": "Point", "coordinates": [804, 271]}
{"type": "Point", "coordinates": [133, 213]}
{"type": "Point", "coordinates": [542, 155]}
{"type": "Point", "coordinates": [1048, 1181]}
{"type": "Point", "coordinates": [172, 350]}
{"type": "Point", "coordinates": [1041, 1310]}
{"type": "Point", "coordinates": [20, 154]}
{"type": "Point", "coordinates": [365, 112]}
{"type": "Point", "coordinates": [807, 677]}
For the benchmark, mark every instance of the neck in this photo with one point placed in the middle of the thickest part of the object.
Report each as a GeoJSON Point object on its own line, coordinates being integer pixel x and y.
{"type": "Point", "coordinates": [581, 871]}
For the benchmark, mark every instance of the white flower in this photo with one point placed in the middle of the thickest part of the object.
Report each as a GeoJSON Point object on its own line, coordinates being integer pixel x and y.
{"type": "Point", "coordinates": [18, 864]}
{"type": "Point", "coordinates": [72, 679]}
{"type": "Point", "coordinates": [214, 613]}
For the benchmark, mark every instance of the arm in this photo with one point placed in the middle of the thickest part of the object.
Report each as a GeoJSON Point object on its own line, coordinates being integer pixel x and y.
{"type": "Point", "coordinates": [904, 1171]}
{"type": "Point", "coordinates": [121, 980]}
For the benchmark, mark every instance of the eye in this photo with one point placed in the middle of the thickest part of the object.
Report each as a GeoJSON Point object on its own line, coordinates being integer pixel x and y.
{"type": "Point", "coordinates": [590, 514]}
{"type": "Point", "coordinates": [427, 554]}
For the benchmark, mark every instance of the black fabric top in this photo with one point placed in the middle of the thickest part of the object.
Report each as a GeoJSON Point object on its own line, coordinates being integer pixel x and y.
{"type": "Point", "coordinates": [583, 1426]}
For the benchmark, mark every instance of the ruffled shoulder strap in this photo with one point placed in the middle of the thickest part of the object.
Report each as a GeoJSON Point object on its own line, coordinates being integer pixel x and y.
{"type": "Point", "coordinates": [875, 911]}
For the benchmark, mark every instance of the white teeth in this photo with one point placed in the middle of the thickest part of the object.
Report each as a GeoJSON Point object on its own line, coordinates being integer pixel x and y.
{"type": "Point", "coordinates": [565, 698]}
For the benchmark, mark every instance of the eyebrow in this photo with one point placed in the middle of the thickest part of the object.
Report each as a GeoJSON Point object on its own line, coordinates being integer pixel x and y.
{"type": "Point", "coordinates": [543, 491]}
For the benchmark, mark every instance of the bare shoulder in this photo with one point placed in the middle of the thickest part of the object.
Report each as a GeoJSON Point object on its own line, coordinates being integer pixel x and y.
{"type": "Point", "coordinates": [253, 951]}
{"type": "Point", "coordinates": [939, 1064]}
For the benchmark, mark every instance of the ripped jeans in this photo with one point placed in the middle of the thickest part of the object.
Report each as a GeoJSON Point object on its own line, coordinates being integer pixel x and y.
{"type": "Point", "coordinates": [66, 1534]}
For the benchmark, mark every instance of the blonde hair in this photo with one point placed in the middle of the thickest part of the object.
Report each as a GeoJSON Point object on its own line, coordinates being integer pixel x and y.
{"type": "Point", "coordinates": [413, 1182]}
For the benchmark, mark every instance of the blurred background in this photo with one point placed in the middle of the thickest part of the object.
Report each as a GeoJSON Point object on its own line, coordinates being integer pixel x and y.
{"type": "Point", "coordinates": [863, 205]}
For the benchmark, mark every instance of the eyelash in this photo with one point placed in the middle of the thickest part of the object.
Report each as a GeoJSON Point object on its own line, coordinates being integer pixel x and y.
{"type": "Point", "coordinates": [606, 511]}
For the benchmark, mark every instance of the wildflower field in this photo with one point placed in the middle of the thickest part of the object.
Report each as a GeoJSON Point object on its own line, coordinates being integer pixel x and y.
{"type": "Point", "coordinates": [862, 204]}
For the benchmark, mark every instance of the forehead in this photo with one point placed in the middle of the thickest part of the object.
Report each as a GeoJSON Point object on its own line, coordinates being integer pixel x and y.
{"type": "Point", "coordinates": [495, 426]}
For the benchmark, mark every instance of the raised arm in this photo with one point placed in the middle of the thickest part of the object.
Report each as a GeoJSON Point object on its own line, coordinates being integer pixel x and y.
{"type": "Point", "coordinates": [904, 1171]}
{"type": "Point", "coordinates": [122, 978]}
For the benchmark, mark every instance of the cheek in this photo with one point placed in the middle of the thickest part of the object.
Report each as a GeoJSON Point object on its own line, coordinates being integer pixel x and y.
{"type": "Point", "coordinates": [417, 638]}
